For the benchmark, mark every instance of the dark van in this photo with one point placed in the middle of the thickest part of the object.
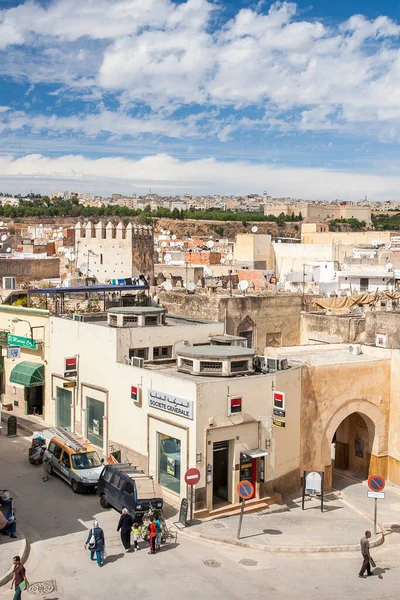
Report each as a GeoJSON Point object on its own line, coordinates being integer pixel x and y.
{"type": "Point", "coordinates": [126, 486]}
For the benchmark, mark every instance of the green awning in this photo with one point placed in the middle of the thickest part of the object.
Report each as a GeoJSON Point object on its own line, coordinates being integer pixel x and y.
{"type": "Point", "coordinates": [28, 374]}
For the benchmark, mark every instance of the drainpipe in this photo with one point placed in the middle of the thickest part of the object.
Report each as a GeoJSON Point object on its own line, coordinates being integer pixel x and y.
{"type": "Point", "coordinates": [225, 320]}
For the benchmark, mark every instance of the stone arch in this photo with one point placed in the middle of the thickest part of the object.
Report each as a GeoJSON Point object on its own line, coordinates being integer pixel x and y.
{"type": "Point", "coordinates": [374, 418]}
{"type": "Point", "coordinates": [247, 329]}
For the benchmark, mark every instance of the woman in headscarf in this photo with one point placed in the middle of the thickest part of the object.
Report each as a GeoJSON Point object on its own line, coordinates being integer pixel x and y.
{"type": "Point", "coordinates": [125, 526]}
{"type": "Point", "coordinates": [96, 542]}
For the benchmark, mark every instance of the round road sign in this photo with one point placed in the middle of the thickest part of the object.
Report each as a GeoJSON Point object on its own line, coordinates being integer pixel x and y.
{"type": "Point", "coordinates": [245, 489]}
{"type": "Point", "coordinates": [376, 483]}
{"type": "Point", "coordinates": [192, 476]}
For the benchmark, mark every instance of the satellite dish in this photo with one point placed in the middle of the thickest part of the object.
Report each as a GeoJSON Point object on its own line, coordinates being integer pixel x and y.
{"type": "Point", "coordinates": [72, 257]}
{"type": "Point", "coordinates": [191, 287]}
{"type": "Point", "coordinates": [167, 258]}
{"type": "Point", "coordinates": [210, 244]}
{"type": "Point", "coordinates": [168, 233]}
{"type": "Point", "coordinates": [344, 267]}
{"type": "Point", "coordinates": [222, 261]}
{"type": "Point", "coordinates": [164, 244]}
{"type": "Point", "coordinates": [229, 256]}
{"type": "Point", "coordinates": [3, 238]}
{"type": "Point", "coordinates": [167, 285]}
{"type": "Point", "coordinates": [67, 255]}
{"type": "Point", "coordinates": [254, 229]}
{"type": "Point", "coordinates": [54, 235]}
{"type": "Point", "coordinates": [1, 223]}
{"type": "Point", "coordinates": [60, 235]}
{"type": "Point", "coordinates": [210, 237]}
{"type": "Point", "coordinates": [40, 225]}
{"type": "Point", "coordinates": [84, 268]}
{"type": "Point", "coordinates": [158, 250]}
{"type": "Point", "coordinates": [389, 265]}
{"type": "Point", "coordinates": [8, 250]}
{"type": "Point", "coordinates": [60, 228]}
{"type": "Point", "coordinates": [206, 270]}
{"type": "Point", "coordinates": [243, 285]}
{"type": "Point", "coordinates": [174, 237]}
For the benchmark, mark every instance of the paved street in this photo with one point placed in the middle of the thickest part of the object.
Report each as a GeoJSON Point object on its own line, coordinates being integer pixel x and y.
{"type": "Point", "coordinates": [56, 521]}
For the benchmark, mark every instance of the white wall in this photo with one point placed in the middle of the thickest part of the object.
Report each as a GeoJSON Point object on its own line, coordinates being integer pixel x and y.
{"type": "Point", "coordinates": [292, 257]}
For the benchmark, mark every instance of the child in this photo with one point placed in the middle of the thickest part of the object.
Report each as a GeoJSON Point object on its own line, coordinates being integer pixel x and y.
{"type": "Point", "coordinates": [152, 535]}
{"type": "Point", "coordinates": [158, 536]}
{"type": "Point", "coordinates": [136, 536]}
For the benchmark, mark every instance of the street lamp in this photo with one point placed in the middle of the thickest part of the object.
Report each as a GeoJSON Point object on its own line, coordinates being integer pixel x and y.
{"type": "Point", "coordinates": [18, 320]}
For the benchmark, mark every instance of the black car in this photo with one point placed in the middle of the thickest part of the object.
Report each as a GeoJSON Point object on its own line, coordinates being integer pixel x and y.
{"type": "Point", "coordinates": [126, 486]}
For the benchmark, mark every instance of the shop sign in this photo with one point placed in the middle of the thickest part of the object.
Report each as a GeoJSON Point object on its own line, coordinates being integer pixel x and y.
{"type": "Point", "coordinates": [279, 400]}
{"type": "Point", "coordinates": [170, 404]}
{"type": "Point", "coordinates": [235, 405]}
{"type": "Point", "coordinates": [23, 342]}
{"type": "Point", "coordinates": [381, 339]}
{"type": "Point", "coordinates": [70, 367]}
{"type": "Point", "coordinates": [3, 337]}
{"type": "Point", "coordinates": [69, 384]}
{"type": "Point", "coordinates": [134, 393]}
{"type": "Point", "coordinates": [278, 423]}
{"type": "Point", "coordinates": [171, 466]}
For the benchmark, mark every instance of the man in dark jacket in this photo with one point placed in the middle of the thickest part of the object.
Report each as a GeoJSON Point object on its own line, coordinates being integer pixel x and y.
{"type": "Point", "coordinates": [96, 542]}
{"type": "Point", "coordinates": [125, 526]}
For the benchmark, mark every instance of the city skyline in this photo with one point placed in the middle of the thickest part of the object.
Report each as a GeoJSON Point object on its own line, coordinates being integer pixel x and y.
{"type": "Point", "coordinates": [200, 97]}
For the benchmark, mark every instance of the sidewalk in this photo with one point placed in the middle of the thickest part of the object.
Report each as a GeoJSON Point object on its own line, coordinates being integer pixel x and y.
{"type": "Point", "coordinates": [8, 549]}
{"type": "Point", "coordinates": [338, 529]}
{"type": "Point", "coordinates": [28, 424]}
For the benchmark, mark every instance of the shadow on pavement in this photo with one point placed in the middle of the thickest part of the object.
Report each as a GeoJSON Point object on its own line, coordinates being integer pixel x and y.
{"type": "Point", "coordinates": [113, 558]}
{"type": "Point", "coordinates": [168, 547]}
{"type": "Point", "coordinates": [380, 571]}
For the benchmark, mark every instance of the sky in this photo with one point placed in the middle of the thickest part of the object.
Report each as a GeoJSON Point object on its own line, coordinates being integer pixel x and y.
{"type": "Point", "coordinates": [297, 100]}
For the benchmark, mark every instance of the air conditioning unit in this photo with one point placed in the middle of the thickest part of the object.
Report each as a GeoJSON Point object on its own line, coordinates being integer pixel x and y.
{"type": "Point", "coordinates": [137, 362]}
{"type": "Point", "coordinates": [277, 364]}
{"type": "Point", "coordinates": [9, 283]}
{"type": "Point", "coordinates": [260, 364]}
{"type": "Point", "coordinates": [355, 349]}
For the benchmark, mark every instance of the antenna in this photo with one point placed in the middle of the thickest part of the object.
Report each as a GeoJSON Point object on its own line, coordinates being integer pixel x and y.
{"type": "Point", "coordinates": [174, 237]}
{"type": "Point", "coordinates": [164, 244]}
{"type": "Point", "coordinates": [254, 229]}
{"type": "Point", "coordinates": [3, 238]}
{"type": "Point", "coordinates": [344, 267]}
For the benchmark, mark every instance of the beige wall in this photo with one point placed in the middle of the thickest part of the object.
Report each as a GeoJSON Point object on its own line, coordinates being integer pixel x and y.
{"type": "Point", "coordinates": [292, 257]}
{"type": "Point", "coordinates": [253, 249]}
{"type": "Point", "coordinates": [330, 329]}
{"type": "Point", "coordinates": [353, 237]}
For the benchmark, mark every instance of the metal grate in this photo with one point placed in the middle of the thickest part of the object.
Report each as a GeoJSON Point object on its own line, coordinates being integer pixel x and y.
{"type": "Point", "coordinates": [239, 365]}
{"type": "Point", "coordinates": [210, 366]}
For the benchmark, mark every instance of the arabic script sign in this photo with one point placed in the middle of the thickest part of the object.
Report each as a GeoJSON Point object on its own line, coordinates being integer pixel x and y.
{"type": "Point", "coordinates": [23, 342]}
{"type": "Point", "coordinates": [171, 404]}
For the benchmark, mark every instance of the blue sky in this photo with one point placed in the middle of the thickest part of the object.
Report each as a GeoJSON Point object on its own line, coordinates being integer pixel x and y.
{"type": "Point", "coordinates": [297, 99]}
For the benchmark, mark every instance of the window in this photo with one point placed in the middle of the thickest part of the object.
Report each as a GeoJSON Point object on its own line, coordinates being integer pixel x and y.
{"type": "Point", "coordinates": [85, 460]}
{"type": "Point", "coordinates": [150, 320]}
{"type": "Point", "coordinates": [169, 462]}
{"type": "Point", "coordinates": [248, 335]}
{"type": "Point", "coordinates": [207, 366]}
{"type": "Point", "coordinates": [107, 474]}
{"type": "Point", "coordinates": [139, 353]}
{"type": "Point", "coordinates": [128, 487]}
{"type": "Point", "coordinates": [63, 403]}
{"type": "Point", "coordinates": [162, 352]}
{"type": "Point", "coordinates": [65, 460]}
{"type": "Point", "coordinates": [57, 451]}
{"type": "Point", "coordinates": [52, 447]}
{"type": "Point", "coordinates": [239, 365]}
{"type": "Point", "coordinates": [116, 481]}
{"type": "Point", "coordinates": [94, 424]}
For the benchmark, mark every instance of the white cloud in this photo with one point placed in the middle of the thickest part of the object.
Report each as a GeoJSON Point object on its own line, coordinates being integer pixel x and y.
{"type": "Point", "coordinates": [168, 174]}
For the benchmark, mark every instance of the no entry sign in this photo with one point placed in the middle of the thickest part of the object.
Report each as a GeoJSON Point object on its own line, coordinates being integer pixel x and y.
{"type": "Point", "coordinates": [192, 476]}
{"type": "Point", "coordinates": [376, 483]}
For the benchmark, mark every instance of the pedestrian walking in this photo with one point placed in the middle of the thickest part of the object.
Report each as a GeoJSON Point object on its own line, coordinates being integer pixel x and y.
{"type": "Point", "coordinates": [19, 580]}
{"type": "Point", "coordinates": [46, 465]}
{"type": "Point", "coordinates": [96, 542]}
{"type": "Point", "coordinates": [158, 535]}
{"type": "Point", "coordinates": [137, 536]}
{"type": "Point", "coordinates": [125, 526]}
{"type": "Point", "coordinates": [366, 557]}
{"type": "Point", "coordinates": [152, 535]}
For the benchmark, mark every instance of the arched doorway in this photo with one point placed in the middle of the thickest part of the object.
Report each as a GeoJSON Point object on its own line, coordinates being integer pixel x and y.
{"type": "Point", "coordinates": [352, 445]}
{"type": "Point", "coordinates": [347, 426]}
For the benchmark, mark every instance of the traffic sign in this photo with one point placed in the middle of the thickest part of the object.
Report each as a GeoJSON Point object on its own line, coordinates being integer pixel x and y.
{"type": "Point", "coordinates": [379, 495]}
{"type": "Point", "coordinates": [376, 483]}
{"type": "Point", "coordinates": [192, 476]}
{"type": "Point", "coordinates": [245, 490]}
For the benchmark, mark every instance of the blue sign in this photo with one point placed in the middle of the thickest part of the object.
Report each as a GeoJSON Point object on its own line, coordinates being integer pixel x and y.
{"type": "Point", "coordinates": [245, 489]}
{"type": "Point", "coordinates": [376, 483]}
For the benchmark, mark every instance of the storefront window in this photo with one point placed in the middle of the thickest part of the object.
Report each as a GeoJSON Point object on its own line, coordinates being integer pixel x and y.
{"type": "Point", "coordinates": [94, 426]}
{"type": "Point", "coordinates": [64, 401]}
{"type": "Point", "coordinates": [169, 462]}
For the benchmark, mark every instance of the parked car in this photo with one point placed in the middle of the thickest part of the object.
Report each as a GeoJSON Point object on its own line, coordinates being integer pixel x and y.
{"type": "Point", "coordinates": [126, 486]}
{"type": "Point", "coordinates": [74, 459]}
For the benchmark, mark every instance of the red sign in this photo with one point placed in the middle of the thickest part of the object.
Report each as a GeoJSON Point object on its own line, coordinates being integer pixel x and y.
{"type": "Point", "coordinates": [279, 400]}
{"type": "Point", "coordinates": [192, 476]}
{"type": "Point", "coordinates": [235, 405]}
{"type": "Point", "coordinates": [134, 393]}
{"type": "Point", "coordinates": [70, 364]}
{"type": "Point", "coordinates": [245, 490]}
{"type": "Point", "coordinates": [376, 483]}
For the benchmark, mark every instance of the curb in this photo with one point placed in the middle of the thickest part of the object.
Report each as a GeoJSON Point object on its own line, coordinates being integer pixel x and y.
{"type": "Point", "coordinates": [283, 549]}
{"type": "Point", "coordinates": [30, 430]}
{"type": "Point", "coordinates": [24, 554]}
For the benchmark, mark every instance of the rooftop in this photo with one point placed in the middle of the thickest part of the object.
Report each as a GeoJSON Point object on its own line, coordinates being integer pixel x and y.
{"type": "Point", "coordinates": [135, 310]}
{"type": "Point", "coordinates": [216, 352]}
{"type": "Point", "coordinates": [331, 354]}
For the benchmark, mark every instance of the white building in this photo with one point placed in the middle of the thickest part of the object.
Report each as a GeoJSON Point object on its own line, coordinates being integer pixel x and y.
{"type": "Point", "coordinates": [184, 403]}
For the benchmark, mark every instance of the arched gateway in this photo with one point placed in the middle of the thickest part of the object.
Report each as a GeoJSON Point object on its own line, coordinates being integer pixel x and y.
{"type": "Point", "coordinates": [359, 431]}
